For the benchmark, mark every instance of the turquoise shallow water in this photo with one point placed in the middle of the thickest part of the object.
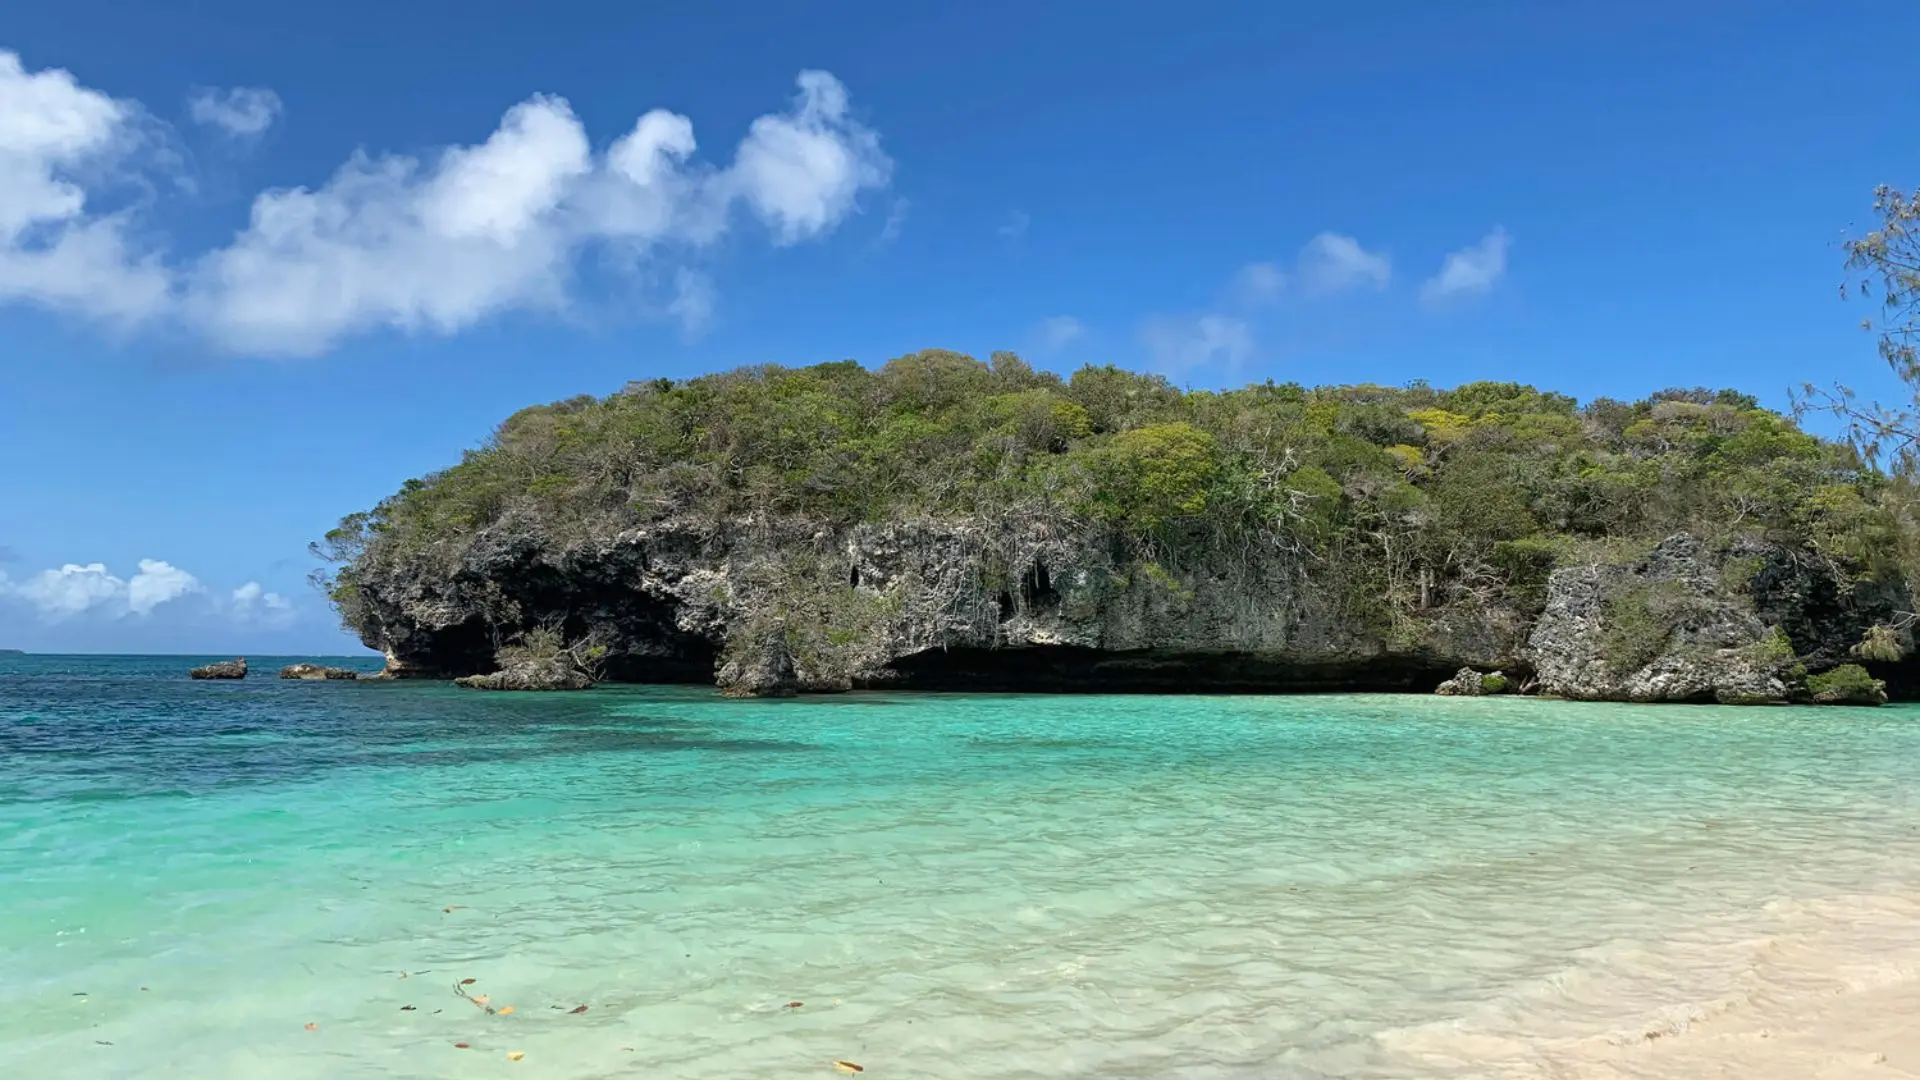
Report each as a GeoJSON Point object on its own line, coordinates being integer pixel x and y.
{"type": "Point", "coordinates": [954, 886]}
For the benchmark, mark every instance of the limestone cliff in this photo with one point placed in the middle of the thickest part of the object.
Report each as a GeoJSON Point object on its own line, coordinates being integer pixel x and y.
{"type": "Point", "coordinates": [921, 604]}
{"type": "Point", "coordinates": [781, 608]}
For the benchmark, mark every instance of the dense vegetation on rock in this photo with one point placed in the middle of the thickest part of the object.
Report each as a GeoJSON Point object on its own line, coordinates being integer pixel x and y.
{"type": "Point", "coordinates": [1411, 495]}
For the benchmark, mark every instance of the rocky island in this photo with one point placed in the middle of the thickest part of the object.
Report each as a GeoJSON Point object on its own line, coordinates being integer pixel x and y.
{"type": "Point", "coordinates": [947, 523]}
{"type": "Point", "coordinates": [222, 669]}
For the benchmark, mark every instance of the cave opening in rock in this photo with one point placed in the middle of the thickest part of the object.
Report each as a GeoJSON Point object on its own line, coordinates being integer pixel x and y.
{"type": "Point", "coordinates": [1037, 592]}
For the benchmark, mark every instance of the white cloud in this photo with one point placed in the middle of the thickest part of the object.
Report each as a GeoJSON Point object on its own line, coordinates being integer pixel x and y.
{"type": "Point", "coordinates": [384, 245]}
{"type": "Point", "coordinates": [70, 590]}
{"type": "Point", "coordinates": [156, 583]}
{"type": "Point", "coordinates": [396, 243]}
{"type": "Point", "coordinates": [253, 603]}
{"type": "Point", "coordinates": [896, 220]}
{"type": "Point", "coordinates": [1471, 270]}
{"type": "Point", "coordinates": [76, 589]}
{"type": "Point", "coordinates": [1059, 331]}
{"type": "Point", "coordinates": [802, 171]}
{"type": "Point", "coordinates": [54, 252]}
{"type": "Point", "coordinates": [1258, 284]}
{"type": "Point", "coordinates": [241, 112]}
{"type": "Point", "coordinates": [693, 300]}
{"type": "Point", "coordinates": [1332, 263]}
{"type": "Point", "coordinates": [1179, 345]}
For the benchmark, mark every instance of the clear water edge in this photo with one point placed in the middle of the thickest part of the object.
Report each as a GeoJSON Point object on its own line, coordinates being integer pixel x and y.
{"type": "Point", "coordinates": [953, 885]}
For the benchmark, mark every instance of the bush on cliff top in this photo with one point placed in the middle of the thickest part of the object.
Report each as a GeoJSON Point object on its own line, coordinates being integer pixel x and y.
{"type": "Point", "coordinates": [1419, 496]}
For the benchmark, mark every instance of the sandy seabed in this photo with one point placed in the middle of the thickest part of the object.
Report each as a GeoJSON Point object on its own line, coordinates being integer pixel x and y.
{"type": "Point", "coordinates": [1830, 990]}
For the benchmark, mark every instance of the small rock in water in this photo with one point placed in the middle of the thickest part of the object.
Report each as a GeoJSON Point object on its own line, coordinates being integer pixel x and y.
{"type": "Point", "coordinates": [1470, 683]}
{"type": "Point", "coordinates": [553, 675]}
{"type": "Point", "coordinates": [225, 669]}
{"type": "Point", "coordinates": [317, 672]}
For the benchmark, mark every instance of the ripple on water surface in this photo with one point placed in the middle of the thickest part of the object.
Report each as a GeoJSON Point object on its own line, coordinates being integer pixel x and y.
{"type": "Point", "coordinates": [950, 885]}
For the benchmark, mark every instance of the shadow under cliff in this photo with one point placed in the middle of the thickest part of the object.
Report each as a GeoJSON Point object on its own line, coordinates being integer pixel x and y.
{"type": "Point", "coordinates": [1073, 669]}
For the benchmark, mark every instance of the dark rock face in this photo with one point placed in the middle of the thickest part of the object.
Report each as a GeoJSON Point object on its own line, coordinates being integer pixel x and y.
{"type": "Point", "coordinates": [316, 672]}
{"type": "Point", "coordinates": [225, 669]}
{"type": "Point", "coordinates": [773, 608]}
{"type": "Point", "coordinates": [554, 675]}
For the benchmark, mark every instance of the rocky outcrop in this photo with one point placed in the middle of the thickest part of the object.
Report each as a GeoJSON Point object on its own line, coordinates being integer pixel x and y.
{"type": "Point", "coordinates": [225, 669]}
{"type": "Point", "coordinates": [317, 672]}
{"type": "Point", "coordinates": [551, 675]}
{"type": "Point", "coordinates": [778, 607]}
{"type": "Point", "coordinates": [1670, 626]}
{"type": "Point", "coordinates": [1470, 683]}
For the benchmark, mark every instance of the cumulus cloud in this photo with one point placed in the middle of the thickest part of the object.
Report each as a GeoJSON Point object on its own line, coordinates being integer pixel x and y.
{"type": "Point", "coordinates": [393, 242]}
{"type": "Point", "coordinates": [76, 589]}
{"type": "Point", "coordinates": [56, 250]}
{"type": "Point", "coordinates": [242, 112]}
{"type": "Point", "coordinates": [1331, 263]}
{"type": "Point", "coordinates": [802, 171]}
{"type": "Point", "coordinates": [1471, 270]}
{"type": "Point", "coordinates": [385, 243]}
{"type": "Point", "coordinates": [70, 590]}
{"type": "Point", "coordinates": [1059, 331]}
{"type": "Point", "coordinates": [156, 583]}
{"type": "Point", "coordinates": [253, 603]}
{"type": "Point", "coordinates": [1179, 345]}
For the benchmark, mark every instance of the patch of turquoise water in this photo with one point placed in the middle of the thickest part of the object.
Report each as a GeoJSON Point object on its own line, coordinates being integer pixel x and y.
{"type": "Point", "coordinates": [953, 885]}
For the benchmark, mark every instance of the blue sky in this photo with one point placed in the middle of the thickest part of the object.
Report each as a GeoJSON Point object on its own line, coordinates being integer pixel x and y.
{"type": "Point", "coordinates": [260, 263]}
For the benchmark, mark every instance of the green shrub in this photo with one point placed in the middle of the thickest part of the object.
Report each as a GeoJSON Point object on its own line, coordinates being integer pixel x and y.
{"type": "Point", "coordinates": [1848, 684]}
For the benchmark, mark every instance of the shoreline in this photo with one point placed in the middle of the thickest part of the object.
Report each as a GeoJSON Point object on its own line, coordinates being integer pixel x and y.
{"type": "Point", "coordinates": [1822, 988]}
